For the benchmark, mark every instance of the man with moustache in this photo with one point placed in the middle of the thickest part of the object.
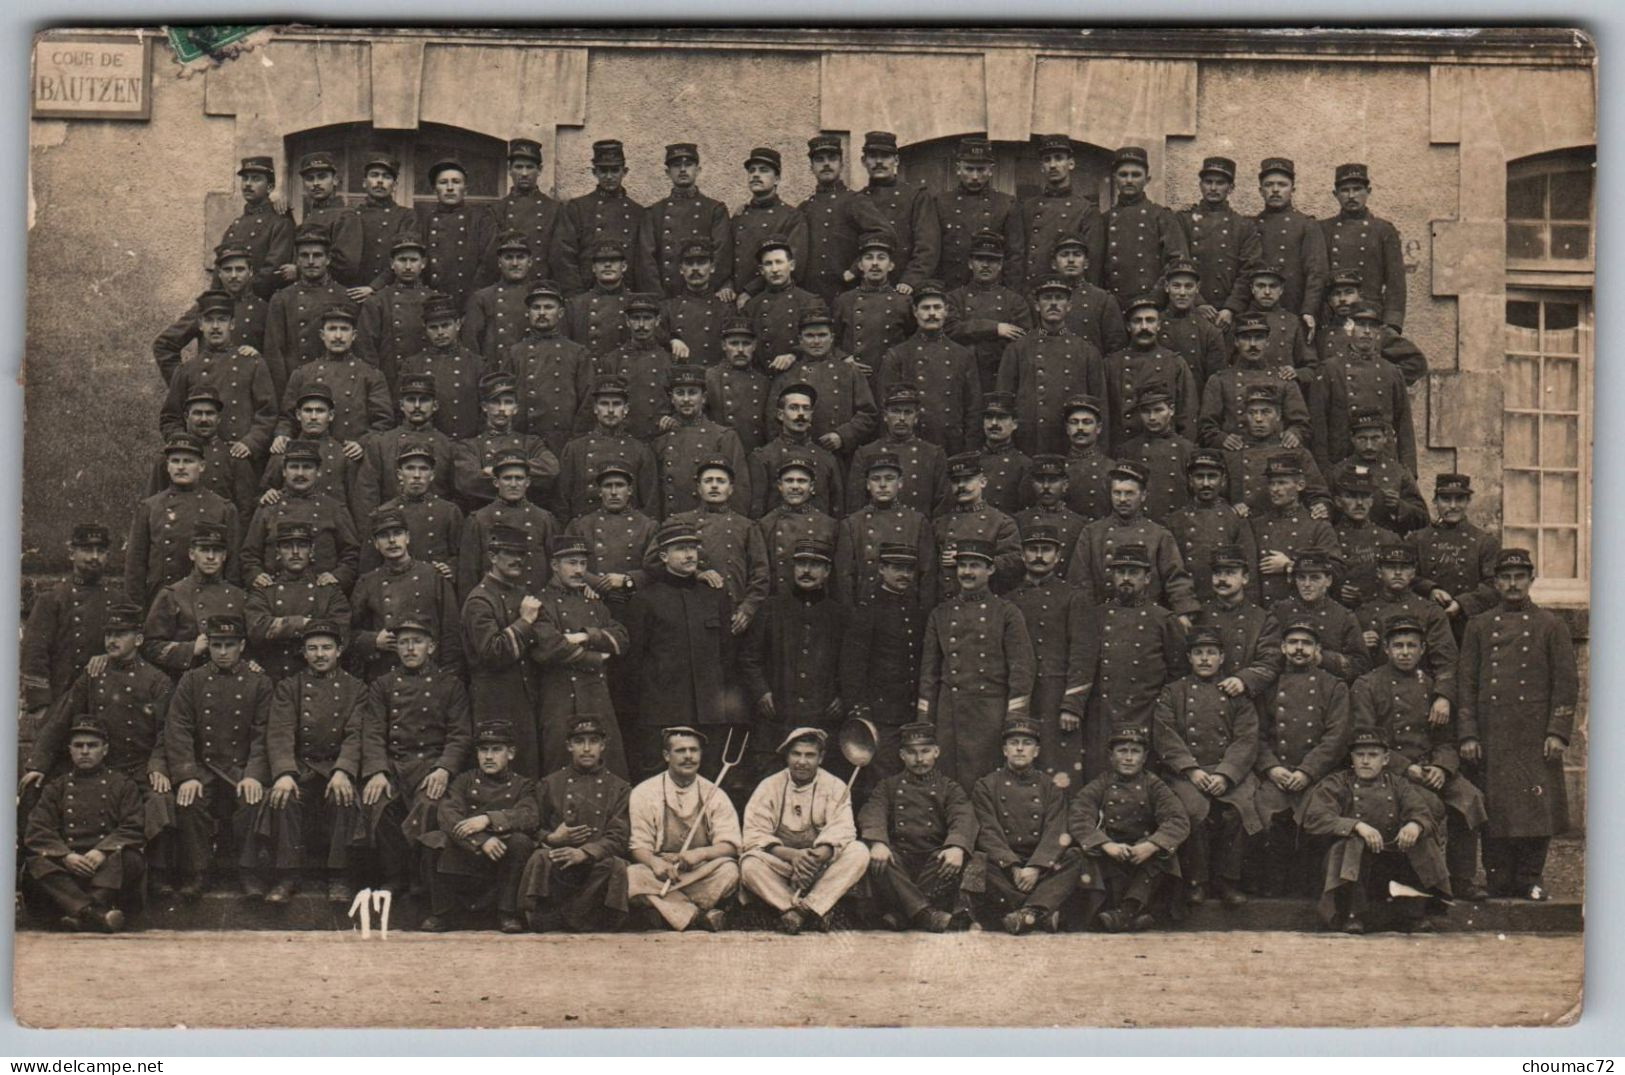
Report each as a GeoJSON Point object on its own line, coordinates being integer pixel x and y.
{"type": "Point", "coordinates": [973, 209]}
{"type": "Point", "coordinates": [1292, 240]}
{"type": "Point", "coordinates": [1057, 209]}
{"type": "Point", "coordinates": [1222, 242]}
{"type": "Point", "coordinates": [1140, 234]}
{"type": "Point", "coordinates": [836, 217]}
{"type": "Point", "coordinates": [667, 225]}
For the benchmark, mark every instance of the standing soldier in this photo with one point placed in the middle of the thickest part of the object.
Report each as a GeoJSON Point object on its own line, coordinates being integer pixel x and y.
{"type": "Point", "coordinates": [1208, 520]}
{"type": "Point", "coordinates": [974, 209]}
{"type": "Point", "coordinates": [1163, 453]}
{"type": "Point", "coordinates": [293, 322]}
{"type": "Point", "coordinates": [1140, 234]}
{"type": "Point", "coordinates": [797, 403]}
{"type": "Point", "coordinates": [472, 458]}
{"type": "Point", "coordinates": [1455, 559]}
{"type": "Point", "coordinates": [1222, 242]}
{"type": "Point", "coordinates": [909, 208]}
{"type": "Point", "coordinates": [360, 398]}
{"type": "Point", "coordinates": [401, 588]}
{"type": "Point", "coordinates": [499, 627]}
{"type": "Point", "coordinates": [1343, 297]}
{"type": "Point", "coordinates": [1047, 366]}
{"type": "Point", "coordinates": [1287, 527]}
{"type": "Point", "coordinates": [667, 225]}
{"type": "Point", "coordinates": [157, 551]}
{"type": "Point", "coordinates": [1127, 524]}
{"type": "Point", "coordinates": [1056, 210]}
{"type": "Point", "coordinates": [527, 210]}
{"type": "Point", "coordinates": [1088, 467]}
{"type": "Point", "coordinates": [325, 210]}
{"type": "Point", "coordinates": [461, 238]}
{"type": "Point", "coordinates": [378, 479]}
{"type": "Point", "coordinates": [435, 523]}
{"type": "Point", "coordinates": [511, 475]}
{"type": "Point", "coordinates": [278, 614]}
{"type": "Point", "coordinates": [1518, 691]}
{"type": "Point", "coordinates": [1293, 241]}
{"type": "Point", "coordinates": [943, 371]}
{"type": "Point", "coordinates": [384, 222]}
{"type": "Point", "coordinates": [1096, 314]}
{"type": "Point", "coordinates": [1145, 361]}
{"type": "Point", "coordinates": [1340, 647]}
{"type": "Point", "coordinates": [618, 534]}
{"type": "Point", "coordinates": [608, 441]}
{"type": "Point", "coordinates": [1250, 634]}
{"type": "Point", "coordinates": [1197, 340]}
{"type": "Point", "coordinates": [1398, 499]}
{"type": "Point", "coordinates": [605, 214]}
{"type": "Point", "coordinates": [844, 407]}
{"type": "Point", "coordinates": [880, 653]}
{"type": "Point", "coordinates": [313, 410]}
{"type": "Point", "coordinates": [1396, 574]}
{"type": "Point", "coordinates": [233, 299]}
{"type": "Point", "coordinates": [775, 311]}
{"type": "Point", "coordinates": [885, 519]}
{"type": "Point", "coordinates": [1047, 487]}
{"type": "Point", "coordinates": [1054, 615]}
{"type": "Point", "coordinates": [976, 667]}
{"type": "Point", "coordinates": [765, 216]}
{"type": "Point", "coordinates": [736, 388]}
{"type": "Point", "coordinates": [456, 370]}
{"type": "Point", "coordinates": [66, 624]}
{"type": "Point", "coordinates": [732, 553]}
{"type": "Point", "coordinates": [1358, 239]}
{"type": "Point", "coordinates": [1005, 465]}
{"type": "Point", "coordinates": [985, 315]}
{"type": "Point", "coordinates": [688, 438]}
{"type": "Point", "coordinates": [337, 549]}
{"type": "Point", "coordinates": [922, 465]}
{"type": "Point", "coordinates": [643, 365]}
{"type": "Point", "coordinates": [552, 372]}
{"type": "Point", "coordinates": [498, 314]}
{"type": "Point", "coordinates": [793, 521]}
{"type": "Point", "coordinates": [874, 316]}
{"type": "Point", "coordinates": [969, 516]}
{"type": "Point", "coordinates": [263, 230]}
{"type": "Point", "coordinates": [836, 217]}
{"type": "Point", "coordinates": [694, 315]}
{"type": "Point", "coordinates": [391, 325]}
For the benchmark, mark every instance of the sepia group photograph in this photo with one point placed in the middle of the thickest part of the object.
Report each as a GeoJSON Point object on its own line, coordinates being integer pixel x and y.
{"type": "Point", "coordinates": [845, 527]}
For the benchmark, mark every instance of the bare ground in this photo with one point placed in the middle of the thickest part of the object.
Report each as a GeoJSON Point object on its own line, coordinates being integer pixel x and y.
{"type": "Point", "coordinates": [759, 979]}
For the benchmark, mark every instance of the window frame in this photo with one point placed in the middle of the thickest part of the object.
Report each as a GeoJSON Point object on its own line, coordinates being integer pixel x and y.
{"type": "Point", "coordinates": [1564, 162]}
{"type": "Point", "coordinates": [348, 141]}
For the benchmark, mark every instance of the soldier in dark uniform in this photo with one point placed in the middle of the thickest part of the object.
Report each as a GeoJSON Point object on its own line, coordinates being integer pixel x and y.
{"type": "Point", "coordinates": [1358, 239]}
{"type": "Point", "coordinates": [1262, 441]}
{"type": "Point", "coordinates": [1088, 467]}
{"type": "Point", "coordinates": [337, 551]}
{"type": "Point", "coordinates": [984, 315]}
{"type": "Point", "coordinates": [415, 736]}
{"type": "Point", "coordinates": [693, 314]}
{"type": "Point", "coordinates": [484, 836]}
{"type": "Point", "coordinates": [775, 311]}
{"type": "Point", "coordinates": [836, 217]}
{"type": "Point", "coordinates": [1250, 633]}
{"type": "Point", "coordinates": [1127, 524]}
{"type": "Point", "coordinates": [1342, 649]}
{"type": "Point", "coordinates": [391, 329]}
{"type": "Point", "coordinates": [1455, 559]}
{"type": "Point", "coordinates": [157, 551]}
{"type": "Point", "coordinates": [461, 238]}
{"type": "Point", "coordinates": [360, 398]}
{"type": "Point", "coordinates": [974, 209]}
{"type": "Point", "coordinates": [618, 534]}
{"type": "Point", "coordinates": [732, 552]}
{"type": "Point", "coordinates": [1225, 396]}
{"type": "Point", "coordinates": [214, 740]}
{"type": "Point", "coordinates": [384, 222]}
{"type": "Point", "coordinates": [883, 520]}
{"type": "Point", "coordinates": [576, 877]}
{"type": "Point", "coordinates": [1129, 826]}
{"type": "Point", "coordinates": [1208, 520]}
{"type": "Point", "coordinates": [1398, 503]}
{"type": "Point", "coordinates": [605, 214]}
{"type": "Point", "coordinates": [689, 437]}
{"type": "Point", "coordinates": [921, 830]}
{"type": "Point", "coordinates": [1285, 527]}
{"type": "Point", "coordinates": [793, 521]}
{"type": "Point", "coordinates": [1047, 366]}
{"type": "Point", "coordinates": [1222, 242]}
{"type": "Point", "coordinates": [1140, 234]}
{"type": "Point", "coordinates": [1054, 616]}
{"type": "Point", "coordinates": [1305, 723]}
{"type": "Point", "coordinates": [456, 370]}
{"type": "Point", "coordinates": [1396, 572]}
{"type": "Point", "coordinates": [880, 652]}
{"type": "Point", "coordinates": [1336, 336]}
{"type": "Point", "coordinates": [174, 625]}
{"type": "Point", "coordinates": [968, 516]}
{"type": "Point", "coordinates": [1394, 699]}
{"type": "Point", "coordinates": [576, 638]}
{"type": "Point", "coordinates": [1293, 241]}
{"type": "Point", "coordinates": [1205, 735]}
{"type": "Point", "coordinates": [1005, 465]}
{"type": "Point", "coordinates": [325, 209]}
{"type": "Point", "coordinates": [278, 614]}
{"type": "Point", "coordinates": [1095, 314]}
{"type": "Point", "coordinates": [497, 315]}
{"type": "Point", "coordinates": [1518, 692]}
{"type": "Point", "coordinates": [922, 465]}
{"type": "Point", "coordinates": [1381, 824]}
{"type": "Point", "coordinates": [1145, 362]}
{"type": "Point", "coordinates": [644, 365]}
{"type": "Point", "coordinates": [944, 372]}
{"type": "Point", "coordinates": [66, 624]}
{"type": "Point", "coordinates": [1185, 331]}
{"type": "Point", "coordinates": [607, 441]}
{"type": "Point", "coordinates": [527, 210]}
{"type": "Point", "coordinates": [234, 302]}
{"type": "Point", "coordinates": [434, 523]}
{"type": "Point", "coordinates": [336, 478]}
{"type": "Point", "coordinates": [669, 223]}
{"type": "Point", "coordinates": [293, 322]}
{"type": "Point", "coordinates": [265, 231]}
{"type": "Point", "coordinates": [1288, 343]}
{"type": "Point", "coordinates": [736, 388]}
{"type": "Point", "coordinates": [499, 625]}
{"type": "Point", "coordinates": [1032, 866]}
{"type": "Point", "coordinates": [1164, 454]}
{"type": "Point", "coordinates": [797, 406]}
{"type": "Point", "coordinates": [402, 587]}
{"type": "Point", "coordinates": [313, 748]}
{"type": "Point", "coordinates": [844, 413]}
{"type": "Point", "coordinates": [377, 479]}
{"type": "Point", "coordinates": [1058, 209]}
{"type": "Point", "coordinates": [765, 216]}
{"type": "Point", "coordinates": [908, 207]}
{"type": "Point", "coordinates": [84, 837]}
{"type": "Point", "coordinates": [976, 665]}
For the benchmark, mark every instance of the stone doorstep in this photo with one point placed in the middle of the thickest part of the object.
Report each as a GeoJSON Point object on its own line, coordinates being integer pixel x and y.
{"type": "Point", "coordinates": [218, 911]}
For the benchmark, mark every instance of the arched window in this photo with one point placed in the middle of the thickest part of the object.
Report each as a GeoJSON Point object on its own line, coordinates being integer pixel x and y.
{"type": "Point", "coordinates": [351, 143]}
{"type": "Point", "coordinates": [1015, 169]}
{"type": "Point", "coordinates": [1550, 202]}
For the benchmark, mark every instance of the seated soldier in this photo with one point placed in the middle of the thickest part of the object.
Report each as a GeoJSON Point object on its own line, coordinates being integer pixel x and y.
{"type": "Point", "coordinates": [313, 745]}
{"type": "Point", "coordinates": [1380, 822]}
{"type": "Point", "coordinates": [1031, 867]}
{"type": "Point", "coordinates": [1129, 826]}
{"type": "Point", "coordinates": [920, 829]}
{"type": "Point", "coordinates": [801, 852]}
{"type": "Point", "coordinates": [416, 733]}
{"type": "Point", "coordinates": [576, 877]}
{"type": "Point", "coordinates": [84, 836]}
{"type": "Point", "coordinates": [484, 836]}
{"type": "Point", "coordinates": [685, 839]}
{"type": "Point", "coordinates": [1206, 739]}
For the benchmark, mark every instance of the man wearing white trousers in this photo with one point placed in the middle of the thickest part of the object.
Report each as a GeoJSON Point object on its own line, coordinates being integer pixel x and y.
{"type": "Point", "coordinates": [683, 878]}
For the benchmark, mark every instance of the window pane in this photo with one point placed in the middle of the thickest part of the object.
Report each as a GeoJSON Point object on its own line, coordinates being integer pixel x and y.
{"type": "Point", "coordinates": [1523, 326]}
{"type": "Point", "coordinates": [1522, 383]}
{"type": "Point", "coordinates": [1571, 195]}
{"type": "Point", "coordinates": [1522, 450]}
{"type": "Point", "coordinates": [1562, 331]}
{"type": "Point", "coordinates": [1560, 498]}
{"type": "Point", "coordinates": [1570, 242]}
{"type": "Point", "coordinates": [1562, 385]}
{"type": "Point", "coordinates": [1560, 554]}
{"type": "Point", "coordinates": [1522, 495]}
{"type": "Point", "coordinates": [355, 171]}
{"type": "Point", "coordinates": [1517, 538]}
{"type": "Point", "coordinates": [1526, 198]}
{"type": "Point", "coordinates": [1526, 241]}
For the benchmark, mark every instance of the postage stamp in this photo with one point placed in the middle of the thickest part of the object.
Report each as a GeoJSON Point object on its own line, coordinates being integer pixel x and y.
{"type": "Point", "coordinates": [199, 47]}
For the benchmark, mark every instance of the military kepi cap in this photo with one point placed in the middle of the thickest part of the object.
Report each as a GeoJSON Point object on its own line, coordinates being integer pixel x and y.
{"type": "Point", "coordinates": [1403, 624]}
{"type": "Point", "coordinates": [1021, 726]}
{"type": "Point", "coordinates": [228, 626]}
{"type": "Point", "coordinates": [494, 733]}
{"type": "Point", "coordinates": [1514, 558]}
{"type": "Point", "coordinates": [317, 162]}
{"type": "Point", "coordinates": [1218, 166]}
{"type": "Point", "coordinates": [1351, 173]}
{"type": "Point", "coordinates": [1459, 484]}
{"type": "Point", "coordinates": [1277, 164]}
{"type": "Point", "coordinates": [524, 149]}
{"type": "Point", "coordinates": [124, 617]}
{"type": "Point", "coordinates": [1204, 636]}
{"type": "Point", "coordinates": [973, 549]}
{"type": "Point", "coordinates": [507, 538]}
{"type": "Point", "coordinates": [568, 545]}
{"type": "Point", "coordinates": [87, 724]}
{"type": "Point", "coordinates": [1128, 734]}
{"type": "Point", "coordinates": [1131, 155]}
{"type": "Point", "coordinates": [216, 302]}
{"type": "Point", "coordinates": [608, 151]}
{"type": "Point", "coordinates": [1131, 554]}
{"type": "Point", "coordinates": [677, 533]}
{"type": "Point", "coordinates": [767, 156]}
{"type": "Point", "coordinates": [88, 534]}
{"type": "Point", "coordinates": [1368, 737]}
{"type": "Point", "coordinates": [263, 165]}
{"type": "Point", "coordinates": [918, 733]}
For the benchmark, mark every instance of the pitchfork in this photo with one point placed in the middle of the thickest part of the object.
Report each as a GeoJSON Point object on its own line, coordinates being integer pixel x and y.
{"type": "Point", "coordinates": [729, 760]}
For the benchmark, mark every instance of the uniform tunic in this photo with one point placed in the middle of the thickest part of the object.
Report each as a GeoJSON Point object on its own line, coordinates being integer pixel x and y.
{"type": "Point", "coordinates": [336, 478]}
{"type": "Point", "coordinates": [698, 320]}
{"type": "Point", "coordinates": [1387, 804]}
{"type": "Point", "coordinates": [732, 546]}
{"type": "Point", "coordinates": [1223, 243]}
{"type": "Point", "coordinates": [462, 248]}
{"type": "Point", "coordinates": [535, 216]}
{"type": "Point", "coordinates": [1044, 369]}
{"type": "Point", "coordinates": [782, 528]}
{"type": "Point", "coordinates": [434, 526]}
{"type": "Point", "coordinates": [503, 680]}
{"type": "Point", "coordinates": [737, 396]}
{"type": "Point", "coordinates": [1129, 652]}
{"type": "Point", "coordinates": [1390, 478]}
{"type": "Point", "coordinates": [277, 614]}
{"type": "Point", "coordinates": [1440, 657]}
{"type": "Point", "coordinates": [1518, 686]}
{"type": "Point", "coordinates": [1088, 490]}
{"type": "Point", "coordinates": [1370, 244]}
{"type": "Point", "coordinates": [496, 317]}
{"type": "Point", "coordinates": [361, 401]}
{"type": "Point", "coordinates": [471, 462]}
{"type": "Point", "coordinates": [215, 728]}
{"type": "Point", "coordinates": [617, 541]}
{"type": "Point", "coordinates": [829, 492]}
{"type": "Point", "coordinates": [1021, 822]}
{"type": "Point", "coordinates": [976, 667]}
{"type": "Point", "coordinates": [1130, 372]}
{"type": "Point", "coordinates": [336, 550]}
{"type": "Point", "coordinates": [793, 652]}
{"type": "Point", "coordinates": [293, 326]}
{"type": "Point", "coordinates": [414, 721]}
{"type": "Point", "coordinates": [961, 215]}
{"type": "Point", "coordinates": [837, 218]}
{"type": "Point", "coordinates": [678, 453]}
{"type": "Point", "coordinates": [1224, 404]}
{"type": "Point", "coordinates": [1359, 543]}
{"type": "Point", "coordinates": [161, 536]}
{"type": "Point", "coordinates": [1045, 218]}
{"type": "Point", "coordinates": [1398, 703]}
{"type": "Point", "coordinates": [1335, 339]}
{"type": "Point", "coordinates": [388, 595]}
{"type": "Point", "coordinates": [1287, 344]}
{"type": "Point", "coordinates": [1198, 341]}
{"type": "Point", "coordinates": [596, 318]}
{"type": "Point", "coordinates": [1170, 581]}
{"type": "Point", "coordinates": [100, 809]}
{"type": "Point", "coordinates": [950, 388]}
{"type": "Point", "coordinates": [579, 894]}
{"type": "Point", "coordinates": [981, 522]}
{"type": "Point", "coordinates": [574, 681]}
{"type": "Point", "coordinates": [858, 538]}
{"type": "Point", "coordinates": [343, 227]}
{"type": "Point", "coordinates": [915, 817]}
{"type": "Point", "coordinates": [391, 329]}
{"type": "Point", "coordinates": [646, 368]}
{"type": "Point", "coordinates": [1054, 614]}
{"type": "Point", "coordinates": [1197, 727]}
{"type": "Point", "coordinates": [1294, 242]}
{"type": "Point", "coordinates": [775, 317]}
{"type": "Point", "coordinates": [911, 211]}
{"type": "Point", "coordinates": [509, 800]}
{"type": "Point", "coordinates": [1129, 810]}
{"type": "Point", "coordinates": [178, 615]}
{"type": "Point", "coordinates": [456, 371]}
{"type": "Point", "coordinates": [669, 223]}
{"type": "Point", "coordinates": [1459, 559]}
{"type": "Point", "coordinates": [1248, 472]}
{"type": "Point", "coordinates": [1067, 523]}
{"type": "Point", "coordinates": [1252, 643]}
{"type": "Point", "coordinates": [757, 221]}
{"type": "Point", "coordinates": [377, 478]}
{"type": "Point", "coordinates": [130, 698]}
{"type": "Point", "coordinates": [1097, 316]}
{"type": "Point", "coordinates": [974, 316]}
{"type": "Point", "coordinates": [1140, 238]}
{"type": "Point", "coordinates": [1367, 384]}
{"type": "Point", "coordinates": [682, 653]}
{"type": "Point", "coordinates": [66, 627]}
{"type": "Point", "coordinates": [1198, 530]}
{"type": "Point", "coordinates": [578, 471]}
{"type": "Point", "coordinates": [382, 225]}
{"type": "Point", "coordinates": [924, 468]}
{"type": "Point", "coordinates": [1292, 531]}
{"type": "Point", "coordinates": [1305, 726]}
{"type": "Point", "coordinates": [268, 234]}
{"type": "Point", "coordinates": [1007, 478]}
{"type": "Point", "coordinates": [845, 407]}
{"type": "Point", "coordinates": [1164, 457]}
{"type": "Point", "coordinates": [1342, 650]}
{"type": "Point", "coordinates": [315, 725]}
{"type": "Point", "coordinates": [880, 664]}
{"type": "Point", "coordinates": [588, 220]}
{"type": "Point", "coordinates": [247, 330]}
